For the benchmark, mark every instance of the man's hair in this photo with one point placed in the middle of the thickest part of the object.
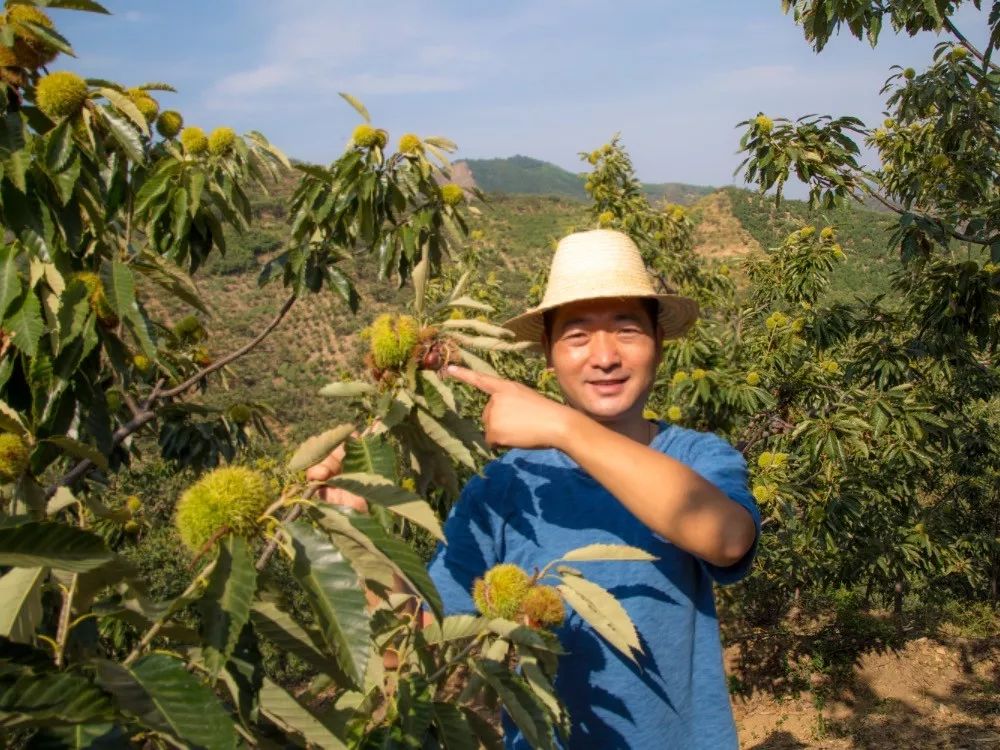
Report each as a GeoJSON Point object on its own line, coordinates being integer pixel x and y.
{"type": "Point", "coordinates": [650, 305]}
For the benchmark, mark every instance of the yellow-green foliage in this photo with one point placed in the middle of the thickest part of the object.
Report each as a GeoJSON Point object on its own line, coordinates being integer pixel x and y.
{"type": "Point", "coordinates": [501, 591]}
{"type": "Point", "coordinates": [14, 454]}
{"type": "Point", "coordinates": [410, 144]}
{"type": "Point", "coordinates": [169, 124]}
{"type": "Point", "coordinates": [605, 219]}
{"type": "Point", "coordinates": [392, 338]}
{"type": "Point", "coordinates": [452, 194]}
{"type": "Point", "coordinates": [366, 136]}
{"type": "Point", "coordinates": [194, 141]}
{"type": "Point", "coordinates": [232, 497]}
{"type": "Point", "coordinates": [98, 299]}
{"type": "Point", "coordinates": [61, 94]}
{"type": "Point", "coordinates": [221, 140]}
{"type": "Point", "coordinates": [29, 50]}
{"type": "Point", "coordinates": [544, 607]}
{"type": "Point", "coordinates": [146, 104]}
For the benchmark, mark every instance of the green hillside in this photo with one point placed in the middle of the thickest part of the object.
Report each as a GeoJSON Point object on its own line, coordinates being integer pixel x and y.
{"type": "Point", "coordinates": [522, 175]}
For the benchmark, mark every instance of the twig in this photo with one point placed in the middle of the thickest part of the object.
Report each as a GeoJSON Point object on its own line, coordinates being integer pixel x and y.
{"type": "Point", "coordinates": [62, 633]}
{"type": "Point", "coordinates": [967, 44]}
{"type": "Point", "coordinates": [146, 415]}
{"type": "Point", "coordinates": [457, 658]}
{"type": "Point", "coordinates": [272, 545]}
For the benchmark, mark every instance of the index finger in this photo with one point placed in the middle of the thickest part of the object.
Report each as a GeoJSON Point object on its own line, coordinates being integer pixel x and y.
{"type": "Point", "coordinates": [486, 383]}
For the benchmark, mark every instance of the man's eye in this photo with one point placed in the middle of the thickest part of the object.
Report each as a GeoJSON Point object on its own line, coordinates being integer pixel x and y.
{"type": "Point", "coordinates": [575, 336]}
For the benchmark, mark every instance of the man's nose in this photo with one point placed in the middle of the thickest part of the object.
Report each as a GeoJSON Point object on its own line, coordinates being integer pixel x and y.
{"type": "Point", "coordinates": [604, 350]}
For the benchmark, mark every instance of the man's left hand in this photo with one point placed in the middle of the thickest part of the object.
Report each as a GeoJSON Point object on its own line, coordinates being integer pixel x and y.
{"type": "Point", "coordinates": [516, 416]}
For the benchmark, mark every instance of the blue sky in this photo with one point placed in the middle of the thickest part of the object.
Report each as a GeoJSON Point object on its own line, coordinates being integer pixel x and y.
{"type": "Point", "coordinates": [544, 78]}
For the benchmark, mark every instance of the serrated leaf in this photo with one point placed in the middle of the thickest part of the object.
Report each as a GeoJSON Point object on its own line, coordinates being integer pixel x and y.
{"type": "Point", "coordinates": [455, 732]}
{"type": "Point", "coordinates": [520, 702]}
{"type": "Point", "coordinates": [358, 106]}
{"type": "Point", "coordinates": [26, 325]}
{"type": "Point", "coordinates": [165, 697]}
{"type": "Point", "coordinates": [479, 326]}
{"type": "Point", "coordinates": [370, 455]}
{"type": "Point", "coordinates": [473, 362]}
{"type": "Point", "coordinates": [53, 545]}
{"type": "Point", "coordinates": [602, 612]}
{"type": "Point", "coordinates": [443, 438]}
{"type": "Point", "coordinates": [595, 552]}
{"type": "Point", "coordinates": [124, 134]}
{"type": "Point", "coordinates": [363, 530]}
{"type": "Point", "coordinates": [377, 489]}
{"type": "Point", "coordinates": [225, 605]}
{"type": "Point", "coordinates": [21, 597]}
{"type": "Point", "coordinates": [281, 708]}
{"type": "Point", "coordinates": [10, 282]}
{"type": "Point", "coordinates": [80, 450]}
{"type": "Point", "coordinates": [277, 626]}
{"type": "Point", "coordinates": [318, 447]}
{"type": "Point", "coordinates": [172, 278]}
{"type": "Point", "coordinates": [44, 699]}
{"type": "Point", "coordinates": [470, 303]}
{"type": "Point", "coordinates": [335, 596]}
{"type": "Point", "coordinates": [352, 389]}
{"type": "Point", "coordinates": [11, 421]}
{"type": "Point", "coordinates": [127, 107]}
{"type": "Point", "coordinates": [453, 628]}
{"type": "Point", "coordinates": [444, 392]}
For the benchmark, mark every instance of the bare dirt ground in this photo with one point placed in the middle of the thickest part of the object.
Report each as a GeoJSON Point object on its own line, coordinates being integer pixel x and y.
{"type": "Point", "coordinates": [932, 693]}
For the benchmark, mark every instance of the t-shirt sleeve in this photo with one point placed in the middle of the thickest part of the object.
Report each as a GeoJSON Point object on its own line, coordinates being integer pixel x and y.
{"type": "Point", "coordinates": [473, 531]}
{"type": "Point", "coordinates": [724, 466]}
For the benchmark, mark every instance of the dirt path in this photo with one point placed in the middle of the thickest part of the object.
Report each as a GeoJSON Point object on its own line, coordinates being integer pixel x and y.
{"type": "Point", "coordinates": [930, 694]}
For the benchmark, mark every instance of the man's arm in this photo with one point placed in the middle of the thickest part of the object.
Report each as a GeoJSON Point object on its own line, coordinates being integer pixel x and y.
{"type": "Point", "coordinates": [670, 498]}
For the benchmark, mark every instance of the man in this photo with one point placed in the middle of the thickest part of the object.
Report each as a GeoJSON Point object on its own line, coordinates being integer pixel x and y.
{"type": "Point", "coordinates": [594, 470]}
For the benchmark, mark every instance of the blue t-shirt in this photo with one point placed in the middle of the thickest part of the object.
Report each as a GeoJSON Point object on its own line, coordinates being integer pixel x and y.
{"type": "Point", "coordinates": [531, 507]}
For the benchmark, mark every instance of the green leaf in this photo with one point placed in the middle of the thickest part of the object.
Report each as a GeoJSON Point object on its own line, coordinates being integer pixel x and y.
{"type": "Point", "coordinates": [171, 278]}
{"type": "Point", "coordinates": [11, 421]}
{"type": "Point", "coordinates": [277, 626]}
{"type": "Point", "coordinates": [318, 447]}
{"type": "Point", "coordinates": [602, 612]}
{"type": "Point", "coordinates": [21, 599]}
{"type": "Point", "coordinates": [453, 628]}
{"type": "Point", "coordinates": [81, 737]}
{"type": "Point", "coordinates": [125, 105]}
{"type": "Point", "coordinates": [455, 732]}
{"type": "Point", "coordinates": [485, 731]}
{"type": "Point", "coordinates": [415, 704]}
{"type": "Point", "coordinates": [358, 106]}
{"type": "Point", "coordinates": [165, 697]}
{"type": "Point", "coordinates": [119, 287]}
{"type": "Point", "coordinates": [352, 389]}
{"type": "Point", "coordinates": [335, 596]}
{"type": "Point", "coordinates": [370, 455]}
{"type": "Point", "coordinates": [468, 302]}
{"type": "Point", "coordinates": [520, 702]}
{"type": "Point", "coordinates": [479, 326]}
{"type": "Point", "coordinates": [448, 442]}
{"type": "Point", "coordinates": [281, 708]}
{"type": "Point", "coordinates": [79, 450]}
{"type": "Point", "coordinates": [124, 134]}
{"type": "Point", "coordinates": [377, 489]}
{"type": "Point", "coordinates": [26, 325]}
{"type": "Point", "coordinates": [394, 554]}
{"type": "Point", "coordinates": [225, 606]}
{"type": "Point", "coordinates": [44, 699]}
{"type": "Point", "coordinates": [434, 383]}
{"type": "Point", "coordinates": [10, 282]}
{"type": "Point", "coordinates": [59, 146]}
{"type": "Point", "coordinates": [87, 5]}
{"type": "Point", "coordinates": [594, 552]}
{"type": "Point", "coordinates": [54, 545]}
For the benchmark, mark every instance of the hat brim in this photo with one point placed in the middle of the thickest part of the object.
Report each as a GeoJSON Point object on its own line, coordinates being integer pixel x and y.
{"type": "Point", "coordinates": [677, 315]}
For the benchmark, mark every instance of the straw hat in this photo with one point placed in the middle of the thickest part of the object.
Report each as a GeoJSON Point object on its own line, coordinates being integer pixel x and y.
{"type": "Point", "coordinates": [601, 264]}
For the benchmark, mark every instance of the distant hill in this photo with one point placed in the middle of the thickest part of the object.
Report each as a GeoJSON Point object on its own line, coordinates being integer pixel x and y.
{"type": "Point", "coordinates": [522, 175]}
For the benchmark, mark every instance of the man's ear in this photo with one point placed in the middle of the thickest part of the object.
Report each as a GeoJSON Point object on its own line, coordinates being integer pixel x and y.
{"type": "Point", "coordinates": [547, 348]}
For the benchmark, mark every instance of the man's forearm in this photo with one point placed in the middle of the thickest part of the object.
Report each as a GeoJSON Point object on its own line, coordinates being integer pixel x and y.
{"type": "Point", "coordinates": [670, 498]}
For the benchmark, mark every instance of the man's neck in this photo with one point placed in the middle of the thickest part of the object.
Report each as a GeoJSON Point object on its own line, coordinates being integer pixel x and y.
{"type": "Point", "coordinates": [635, 428]}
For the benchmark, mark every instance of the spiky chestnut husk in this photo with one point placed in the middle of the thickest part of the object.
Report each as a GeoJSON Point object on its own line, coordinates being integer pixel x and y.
{"type": "Point", "coordinates": [201, 356]}
{"type": "Point", "coordinates": [133, 503]}
{"type": "Point", "coordinates": [194, 141]}
{"type": "Point", "coordinates": [189, 327]}
{"type": "Point", "coordinates": [674, 414]}
{"type": "Point", "coordinates": [763, 123]}
{"type": "Point", "coordinates": [132, 527]}
{"type": "Point", "coordinates": [240, 413]}
{"type": "Point", "coordinates": [142, 363]}
{"type": "Point", "coordinates": [61, 94]}
{"type": "Point", "coordinates": [410, 144]}
{"type": "Point", "coordinates": [392, 339]}
{"type": "Point", "coordinates": [366, 136]}
{"type": "Point", "coordinates": [30, 50]}
{"type": "Point", "coordinates": [147, 105]}
{"type": "Point", "coordinates": [909, 74]}
{"type": "Point", "coordinates": [544, 607]}
{"type": "Point", "coordinates": [232, 497]}
{"type": "Point", "coordinates": [605, 219]}
{"type": "Point", "coordinates": [452, 194]}
{"type": "Point", "coordinates": [500, 592]}
{"type": "Point", "coordinates": [221, 140]}
{"type": "Point", "coordinates": [169, 124]}
{"type": "Point", "coordinates": [14, 454]}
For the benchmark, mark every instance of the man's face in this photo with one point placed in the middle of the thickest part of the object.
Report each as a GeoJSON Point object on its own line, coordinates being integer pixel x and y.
{"type": "Point", "coordinates": [604, 354]}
